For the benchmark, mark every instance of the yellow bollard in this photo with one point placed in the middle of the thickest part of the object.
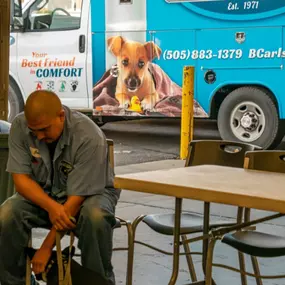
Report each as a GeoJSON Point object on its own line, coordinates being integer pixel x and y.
{"type": "Point", "coordinates": [187, 110]}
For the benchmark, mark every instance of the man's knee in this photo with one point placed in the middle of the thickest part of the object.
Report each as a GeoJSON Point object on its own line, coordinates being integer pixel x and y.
{"type": "Point", "coordinates": [96, 217]}
{"type": "Point", "coordinates": [99, 210]}
{"type": "Point", "coordinates": [11, 209]}
{"type": "Point", "coordinates": [14, 210]}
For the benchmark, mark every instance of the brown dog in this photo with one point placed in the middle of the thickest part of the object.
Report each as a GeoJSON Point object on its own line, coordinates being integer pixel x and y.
{"type": "Point", "coordinates": [134, 78]}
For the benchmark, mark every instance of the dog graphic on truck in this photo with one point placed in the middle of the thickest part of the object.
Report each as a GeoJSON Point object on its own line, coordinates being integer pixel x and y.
{"type": "Point", "coordinates": [125, 58]}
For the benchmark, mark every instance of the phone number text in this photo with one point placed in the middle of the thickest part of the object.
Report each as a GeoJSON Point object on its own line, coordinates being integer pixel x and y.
{"type": "Point", "coordinates": [202, 54]}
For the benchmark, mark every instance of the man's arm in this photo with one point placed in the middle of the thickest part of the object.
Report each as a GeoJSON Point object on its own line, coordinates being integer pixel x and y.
{"type": "Point", "coordinates": [73, 204]}
{"type": "Point", "coordinates": [32, 191]}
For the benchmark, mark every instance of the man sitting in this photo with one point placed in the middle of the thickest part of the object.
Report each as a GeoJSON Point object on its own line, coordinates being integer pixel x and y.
{"type": "Point", "coordinates": [58, 160]}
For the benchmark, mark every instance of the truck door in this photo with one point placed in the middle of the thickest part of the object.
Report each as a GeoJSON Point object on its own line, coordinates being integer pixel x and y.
{"type": "Point", "coordinates": [52, 50]}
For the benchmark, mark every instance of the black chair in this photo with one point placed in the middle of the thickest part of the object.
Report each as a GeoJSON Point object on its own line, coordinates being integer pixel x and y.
{"type": "Point", "coordinates": [215, 152]}
{"type": "Point", "coordinates": [254, 243]}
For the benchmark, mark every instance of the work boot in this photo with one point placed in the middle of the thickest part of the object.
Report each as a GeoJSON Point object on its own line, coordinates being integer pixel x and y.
{"type": "Point", "coordinates": [33, 280]}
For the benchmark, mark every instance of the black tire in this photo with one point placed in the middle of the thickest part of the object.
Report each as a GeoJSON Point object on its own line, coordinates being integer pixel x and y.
{"type": "Point", "coordinates": [273, 131]}
{"type": "Point", "coordinates": [16, 103]}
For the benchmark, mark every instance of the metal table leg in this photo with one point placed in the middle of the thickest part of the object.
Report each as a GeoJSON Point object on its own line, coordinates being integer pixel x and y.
{"type": "Point", "coordinates": [176, 245]}
{"type": "Point", "coordinates": [206, 228]}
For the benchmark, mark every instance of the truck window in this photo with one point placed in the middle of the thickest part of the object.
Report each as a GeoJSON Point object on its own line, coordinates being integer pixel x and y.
{"type": "Point", "coordinates": [17, 8]}
{"type": "Point", "coordinates": [16, 14]}
{"type": "Point", "coordinates": [54, 15]}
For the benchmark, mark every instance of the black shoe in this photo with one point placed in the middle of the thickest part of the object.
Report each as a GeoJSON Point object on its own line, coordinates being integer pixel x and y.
{"type": "Point", "coordinates": [33, 280]}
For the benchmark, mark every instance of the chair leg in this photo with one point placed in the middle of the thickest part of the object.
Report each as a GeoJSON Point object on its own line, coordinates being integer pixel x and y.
{"type": "Point", "coordinates": [256, 270]}
{"type": "Point", "coordinates": [209, 263]}
{"type": "Point", "coordinates": [28, 264]}
{"type": "Point", "coordinates": [242, 268]}
{"type": "Point", "coordinates": [189, 259]}
{"type": "Point", "coordinates": [130, 253]}
{"type": "Point", "coordinates": [132, 249]}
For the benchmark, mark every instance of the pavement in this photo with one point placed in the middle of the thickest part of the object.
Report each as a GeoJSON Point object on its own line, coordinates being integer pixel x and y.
{"type": "Point", "coordinates": [151, 267]}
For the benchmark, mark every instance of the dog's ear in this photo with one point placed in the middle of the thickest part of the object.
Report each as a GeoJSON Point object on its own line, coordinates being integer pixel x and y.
{"type": "Point", "coordinates": [115, 44]}
{"type": "Point", "coordinates": [152, 50]}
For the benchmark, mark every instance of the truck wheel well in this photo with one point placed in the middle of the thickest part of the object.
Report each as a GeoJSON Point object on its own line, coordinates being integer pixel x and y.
{"type": "Point", "coordinates": [14, 84]}
{"type": "Point", "coordinates": [224, 91]}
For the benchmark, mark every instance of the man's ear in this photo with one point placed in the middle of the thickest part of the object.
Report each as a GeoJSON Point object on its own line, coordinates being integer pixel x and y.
{"type": "Point", "coordinates": [115, 44]}
{"type": "Point", "coordinates": [62, 115]}
{"type": "Point", "coordinates": [153, 50]}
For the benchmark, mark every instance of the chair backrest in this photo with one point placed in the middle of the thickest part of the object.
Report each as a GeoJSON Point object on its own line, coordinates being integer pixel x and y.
{"type": "Point", "coordinates": [266, 160]}
{"type": "Point", "coordinates": [111, 152]}
{"type": "Point", "coordinates": [218, 152]}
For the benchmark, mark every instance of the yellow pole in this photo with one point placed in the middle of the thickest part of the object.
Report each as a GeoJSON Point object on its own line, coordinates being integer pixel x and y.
{"type": "Point", "coordinates": [187, 110]}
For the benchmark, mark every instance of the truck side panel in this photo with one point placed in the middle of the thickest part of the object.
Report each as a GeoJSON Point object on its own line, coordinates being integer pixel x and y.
{"type": "Point", "coordinates": [246, 48]}
{"type": "Point", "coordinates": [256, 59]}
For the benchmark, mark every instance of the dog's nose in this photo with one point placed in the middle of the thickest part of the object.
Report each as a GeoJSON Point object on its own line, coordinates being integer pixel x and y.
{"type": "Point", "coordinates": [133, 82]}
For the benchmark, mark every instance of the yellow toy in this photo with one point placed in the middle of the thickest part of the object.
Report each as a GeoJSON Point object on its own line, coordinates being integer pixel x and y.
{"type": "Point", "coordinates": [135, 104]}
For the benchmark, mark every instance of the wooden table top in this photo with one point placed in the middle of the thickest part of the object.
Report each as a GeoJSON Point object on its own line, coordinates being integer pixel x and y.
{"type": "Point", "coordinates": [209, 183]}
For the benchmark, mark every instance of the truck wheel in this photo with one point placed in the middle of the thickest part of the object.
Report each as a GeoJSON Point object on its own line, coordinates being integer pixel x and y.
{"type": "Point", "coordinates": [15, 102]}
{"type": "Point", "coordinates": [248, 114]}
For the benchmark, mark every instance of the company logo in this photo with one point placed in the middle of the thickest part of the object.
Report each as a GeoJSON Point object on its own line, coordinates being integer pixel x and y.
{"type": "Point", "coordinates": [50, 85]}
{"type": "Point", "coordinates": [12, 40]}
{"type": "Point", "coordinates": [74, 85]}
{"type": "Point", "coordinates": [39, 85]}
{"type": "Point", "coordinates": [62, 86]}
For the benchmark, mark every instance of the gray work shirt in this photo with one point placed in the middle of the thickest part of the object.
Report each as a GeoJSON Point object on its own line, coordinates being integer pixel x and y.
{"type": "Point", "coordinates": [80, 163]}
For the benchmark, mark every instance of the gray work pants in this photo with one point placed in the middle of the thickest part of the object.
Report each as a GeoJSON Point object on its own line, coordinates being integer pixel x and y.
{"type": "Point", "coordinates": [94, 231]}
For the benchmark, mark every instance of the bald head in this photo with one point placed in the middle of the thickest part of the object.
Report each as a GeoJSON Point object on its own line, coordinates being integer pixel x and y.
{"type": "Point", "coordinates": [45, 115]}
{"type": "Point", "coordinates": [42, 104]}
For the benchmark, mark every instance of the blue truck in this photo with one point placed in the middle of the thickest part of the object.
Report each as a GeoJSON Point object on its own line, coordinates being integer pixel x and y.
{"type": "Point", "coordinates": [125, 58]}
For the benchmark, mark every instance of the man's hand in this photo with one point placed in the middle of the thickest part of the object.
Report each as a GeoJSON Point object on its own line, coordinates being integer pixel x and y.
{"type": "Point", "coordinates": [41, 259]}
{"type": "Point", "coordinates": [60, 218]}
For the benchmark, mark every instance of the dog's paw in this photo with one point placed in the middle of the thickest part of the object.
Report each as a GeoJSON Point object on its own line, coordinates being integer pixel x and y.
{"type": "Point", "coordinates": [125, 104]}
{"type": "Point", "coordinates": [146, 106]}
